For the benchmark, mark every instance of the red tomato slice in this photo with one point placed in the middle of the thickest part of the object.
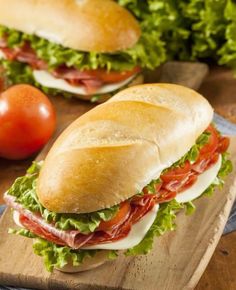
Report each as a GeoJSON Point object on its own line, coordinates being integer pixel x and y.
{"type": "Point", "coordinates": [112, 76]}
{"type": "Point", "coordinates": [118, 219]}
{"type": "Point", "coordinates": [212, 145]}
{"type": "Point", "coordinates": [177, 173]}
{"type": "Point", "coordinates": [223, 144]}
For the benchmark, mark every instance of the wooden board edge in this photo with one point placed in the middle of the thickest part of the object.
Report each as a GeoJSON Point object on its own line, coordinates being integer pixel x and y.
{"type": "Point", "coordinates": [222, 218]}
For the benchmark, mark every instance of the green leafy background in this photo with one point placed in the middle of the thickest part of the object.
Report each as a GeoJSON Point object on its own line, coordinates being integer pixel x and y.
{"type": "Point", "coordinates": [189, 29]}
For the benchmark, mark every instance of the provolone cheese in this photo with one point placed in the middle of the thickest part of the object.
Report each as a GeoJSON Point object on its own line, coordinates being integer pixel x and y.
{"type": "Point", "coordinates": [16, 218]}
{"type": "Point", "coordinates": [203, 182]}
{"type": "Point", "coordinates": [46, 79]}
{"type": "Point", "coordinates": [135, 236]}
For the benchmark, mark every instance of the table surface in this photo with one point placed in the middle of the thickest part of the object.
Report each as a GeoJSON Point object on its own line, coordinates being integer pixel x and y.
{"type": "Point", "coordinates": [219, 88]}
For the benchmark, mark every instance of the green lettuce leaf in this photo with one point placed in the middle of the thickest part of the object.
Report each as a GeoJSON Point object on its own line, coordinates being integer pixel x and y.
{"type": "Point", "coordinates": [58, 256]}
{"type": "Point", "coordinates": [22, 232]}
{"type": "Point", "coordinates": [225, 169]}
{"type": "Point", "coordinates": [193, 153]}
{"type": "Point", "coordinates": [190, 30]}
{"type": "Point", "coordinates": [189, 208]}
{"type": "Point", "coordinates": [228, 51]}
{"type": "Point", "coordinates": [207, 25]}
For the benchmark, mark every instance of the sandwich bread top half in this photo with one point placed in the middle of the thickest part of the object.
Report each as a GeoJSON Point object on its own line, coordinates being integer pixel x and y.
{"type": "Point", "coordinates": [110, 153]}
{"type": "Point", "coordinates": [85, 25]}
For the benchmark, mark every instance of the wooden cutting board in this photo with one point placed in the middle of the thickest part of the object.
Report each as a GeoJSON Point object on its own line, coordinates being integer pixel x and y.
{"type": "Point", "coordinates": [178, 258]}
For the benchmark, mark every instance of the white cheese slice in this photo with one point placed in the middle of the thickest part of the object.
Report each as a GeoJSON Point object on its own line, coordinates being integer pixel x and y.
{"type": "Point", "coordinates": [203, 182]}
{"type": "Point", "coordinates": [135, 236]}
{"type": "Point", "coordinates": [16, 218]}
{"type": "Point", "coordinates": [46, 79]}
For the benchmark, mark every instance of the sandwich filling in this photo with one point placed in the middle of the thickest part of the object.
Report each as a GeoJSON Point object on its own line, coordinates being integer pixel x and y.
{"type": "Point", "coordinates": [133, 223]}
{"type": "Point", "coordinates": [50, 65]}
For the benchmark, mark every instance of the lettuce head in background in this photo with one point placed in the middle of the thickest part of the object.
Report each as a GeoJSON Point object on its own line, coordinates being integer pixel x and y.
{"type": "Point", "coordinates": [189, 30]}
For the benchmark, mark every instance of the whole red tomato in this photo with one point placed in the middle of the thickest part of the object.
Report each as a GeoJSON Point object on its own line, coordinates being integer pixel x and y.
{"type": "Point", "coordinates": [27, 121]}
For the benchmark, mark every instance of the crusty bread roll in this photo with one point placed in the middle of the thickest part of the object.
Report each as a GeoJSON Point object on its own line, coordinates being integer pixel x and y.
{"type": "Point", "coordinates": [110, 153]}
{"type": "Point", "coordinates": [86, 25]}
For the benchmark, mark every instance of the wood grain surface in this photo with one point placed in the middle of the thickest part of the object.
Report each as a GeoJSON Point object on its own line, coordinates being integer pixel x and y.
{"type": "Point", "coordinates": [219, 88]}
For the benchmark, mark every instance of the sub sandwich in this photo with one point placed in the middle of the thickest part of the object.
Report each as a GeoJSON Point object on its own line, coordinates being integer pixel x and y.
{"type": "Point", "coordinates": [86, 48]}
{"type": "Point", "coordinates": [117, 176]}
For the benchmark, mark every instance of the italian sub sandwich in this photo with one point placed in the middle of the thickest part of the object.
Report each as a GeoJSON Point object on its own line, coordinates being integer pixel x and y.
{"type": "Point", "coordinates": [117, 176]}
{"type": "Point", "coordinates": [86, 48]}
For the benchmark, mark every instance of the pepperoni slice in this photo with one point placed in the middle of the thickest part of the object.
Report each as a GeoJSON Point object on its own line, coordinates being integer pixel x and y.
{"type": "Point", "coordinates": [39, 231]}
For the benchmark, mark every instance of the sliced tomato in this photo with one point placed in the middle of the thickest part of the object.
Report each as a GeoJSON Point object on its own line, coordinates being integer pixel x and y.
{"type": "Point", "coordinates": [212, 145]}
{"type": "Point", "coordinates": [178, 173]}
{"type": "Point", "coordinates": [112, 76]}
{"type": "Point", "coordinates": [223, 144]}
{"type": "Point", "coordinates": [118, 219]}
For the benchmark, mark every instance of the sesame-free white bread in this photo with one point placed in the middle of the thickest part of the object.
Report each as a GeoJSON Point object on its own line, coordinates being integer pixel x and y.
{"type": "Point", "coordinates": [110, 153]}
{"type": "Point", "coordinates": [86, 25]}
